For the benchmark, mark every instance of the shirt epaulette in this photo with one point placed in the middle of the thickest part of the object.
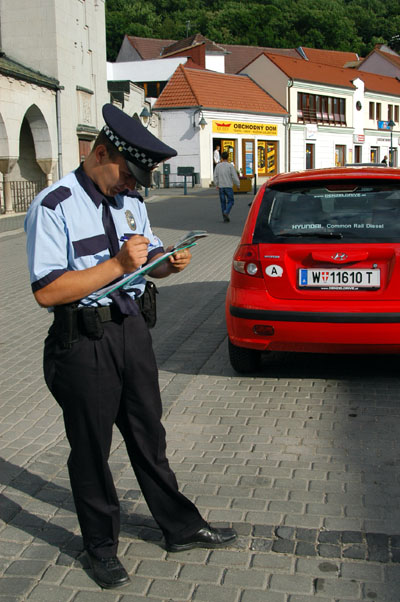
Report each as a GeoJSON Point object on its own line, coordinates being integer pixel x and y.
{"type": "Point", "coordinates": [55, 197]}
{"type": "Point", "coordinates": [134, 194]}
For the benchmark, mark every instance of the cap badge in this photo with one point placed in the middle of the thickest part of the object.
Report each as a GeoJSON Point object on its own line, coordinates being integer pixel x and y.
{"type": "Point", "coordinates": [130, 220]}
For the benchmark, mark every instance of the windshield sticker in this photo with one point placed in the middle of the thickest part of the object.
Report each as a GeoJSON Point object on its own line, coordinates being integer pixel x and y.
{"type": "Point", "coordinates": [335, 226]}
{"type": "Point", "coordinates": [346, 195]}
{"type": "Point", "coordinates": [274, 271]}
{"type": "Point", "coordinates": [306, 226]}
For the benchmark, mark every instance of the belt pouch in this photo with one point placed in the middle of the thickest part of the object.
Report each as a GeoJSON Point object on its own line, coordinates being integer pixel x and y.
{"type": "Point", "coordinates": [66, 325]}
{"type": "Point", "coordinates": [91, 323]}
{"type": "Point", "coordinates": [148, 304]}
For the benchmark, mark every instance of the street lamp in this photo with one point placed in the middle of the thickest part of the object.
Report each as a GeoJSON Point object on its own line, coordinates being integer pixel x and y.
{"type": "Point", "coordinates": [148, 117]}
{"type": "Point", "coordinates": [202, 122]}
{"type": "Point", "coordinates": [144, 115]}
{"type": "Point", "coordinates": [391, 125]}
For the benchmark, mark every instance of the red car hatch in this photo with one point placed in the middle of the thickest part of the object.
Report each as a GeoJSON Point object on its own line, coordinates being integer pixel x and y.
{"type": "Point", "coordinates": [303, 273]}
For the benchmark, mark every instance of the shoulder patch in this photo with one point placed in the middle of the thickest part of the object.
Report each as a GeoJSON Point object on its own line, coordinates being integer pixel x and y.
{"type": "Point", "coordinates": [55, 197]}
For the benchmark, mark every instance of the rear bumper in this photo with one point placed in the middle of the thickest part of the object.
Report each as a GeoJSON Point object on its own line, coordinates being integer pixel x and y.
{"type": "Point", "coordinates": [315, 332]}
{"type": "Point", "coordinates": [312, 317]}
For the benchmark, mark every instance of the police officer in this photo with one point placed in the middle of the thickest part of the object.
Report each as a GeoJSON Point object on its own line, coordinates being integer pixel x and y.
{"type": "Point", "coordinates": [87, 230]}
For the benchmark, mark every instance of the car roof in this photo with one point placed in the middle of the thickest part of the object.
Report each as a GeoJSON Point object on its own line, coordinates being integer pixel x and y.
{"type": "Point", "coordinates": [337, 173]}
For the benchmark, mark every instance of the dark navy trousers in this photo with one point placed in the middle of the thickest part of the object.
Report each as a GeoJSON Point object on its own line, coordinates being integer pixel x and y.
{"type": "Point", "coordinates": [99, 383]}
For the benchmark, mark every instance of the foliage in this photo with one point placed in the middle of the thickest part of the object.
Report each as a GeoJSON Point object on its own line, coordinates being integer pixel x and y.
{"type": "Point", "coordinates": [350, 25]}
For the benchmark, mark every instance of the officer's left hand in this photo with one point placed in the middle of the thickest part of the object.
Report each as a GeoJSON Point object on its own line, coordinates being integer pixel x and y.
{"type": "Point", "coordinates": [180, 259]}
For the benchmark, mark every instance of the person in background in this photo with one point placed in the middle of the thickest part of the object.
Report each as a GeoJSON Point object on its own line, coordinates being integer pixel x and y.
{"type": "Point", "coordinates": [84, 232]}
{"type": "Point", "coordinates": [217, 156]}
{"type": "Point", "coordinates": [225, 177]}
{"type": "Point", "coordinates": [385, 160]}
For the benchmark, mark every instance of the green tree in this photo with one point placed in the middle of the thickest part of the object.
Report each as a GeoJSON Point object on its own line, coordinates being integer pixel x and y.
{"type": "Point", "coordinates": [350, 25]}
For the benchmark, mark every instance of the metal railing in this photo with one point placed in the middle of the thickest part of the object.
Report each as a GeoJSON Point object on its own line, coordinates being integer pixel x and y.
{"type": "Point", "coordinates": [22, 194]}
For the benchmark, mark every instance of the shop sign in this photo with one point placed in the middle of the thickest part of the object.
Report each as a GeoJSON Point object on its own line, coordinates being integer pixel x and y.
{"type": "Point", "coordinates": [358, 138]}
{"type": "Point", "coordinates": [243, 127]}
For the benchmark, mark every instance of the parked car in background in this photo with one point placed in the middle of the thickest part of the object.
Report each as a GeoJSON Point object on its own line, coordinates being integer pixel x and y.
{"type": "Point", "coordinates": [318, 266]}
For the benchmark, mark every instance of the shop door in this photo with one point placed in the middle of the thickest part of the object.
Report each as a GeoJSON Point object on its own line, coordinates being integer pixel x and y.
{"type": "Point", "coordinates": [374, 154]}
{"type": "Point", "coordinates": [229, 146]}
{"type": "Point", "coordinates": [267, 158]}
{"type": "Point", "coordinates": [357, 154]}
{"type": "Point", "coordinates": [248, 157]}
{"type": "Point", "coordinates": [310, 164]}
{"type": "Point", "coordinates": [340, 155]}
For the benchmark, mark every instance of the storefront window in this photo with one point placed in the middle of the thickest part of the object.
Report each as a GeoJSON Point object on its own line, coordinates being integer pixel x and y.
{"type": "Point", "coordinates": [248, 157]}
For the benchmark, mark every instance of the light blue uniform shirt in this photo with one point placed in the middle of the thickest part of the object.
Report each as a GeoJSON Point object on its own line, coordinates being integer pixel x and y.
{"type": "Point", "coordinates": [65, 231]}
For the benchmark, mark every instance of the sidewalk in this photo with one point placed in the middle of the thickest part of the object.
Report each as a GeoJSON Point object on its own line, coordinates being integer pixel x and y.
{"type": "Point", "coordinates": [15, 221]}
{"type": "Point", "coordinates": [302, 458]}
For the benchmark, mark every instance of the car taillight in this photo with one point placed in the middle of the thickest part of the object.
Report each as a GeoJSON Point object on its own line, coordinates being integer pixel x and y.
{"type": "Point", "coordinates": [246, 261]}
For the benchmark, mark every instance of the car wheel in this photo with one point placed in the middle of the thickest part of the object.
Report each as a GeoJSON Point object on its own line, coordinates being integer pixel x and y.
{"type": "Point", "coordinates": [244, 360]}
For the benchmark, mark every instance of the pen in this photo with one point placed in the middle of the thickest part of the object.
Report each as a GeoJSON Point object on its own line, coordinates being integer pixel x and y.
{"type": "Point", "coordinates": [124, 238]}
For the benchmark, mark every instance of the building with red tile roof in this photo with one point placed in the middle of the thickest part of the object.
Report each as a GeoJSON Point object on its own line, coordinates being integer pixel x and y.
{"type": "Point", "coordinates": [218, 91]}
{"type": "Point", "coordinates": [335, 58]}
{"type": "Point", "coordinates": [337, 115]}
{"type": "Point", "coordinates": [338, 106]}
{"type": "Point", "coordinates": [134, 48]}
{"type": "Point", "coordinates": [382, 60]}
{"type": "Point", "coordinates": [201, 109]}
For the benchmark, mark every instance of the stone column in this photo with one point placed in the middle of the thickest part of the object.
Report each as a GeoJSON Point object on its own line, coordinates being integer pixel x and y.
{"type": "Point", "coordinates": [6, 165]}
{"type": "Point", "coordinates": [47, 166]}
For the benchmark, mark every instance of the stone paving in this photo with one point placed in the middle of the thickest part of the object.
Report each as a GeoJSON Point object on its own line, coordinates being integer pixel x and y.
{"type": "Point", "coordinates": [302, 458]}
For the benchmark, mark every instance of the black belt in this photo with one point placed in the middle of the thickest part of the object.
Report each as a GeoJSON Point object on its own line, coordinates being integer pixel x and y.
{"type": "Point", "coordinates": [106, 313]}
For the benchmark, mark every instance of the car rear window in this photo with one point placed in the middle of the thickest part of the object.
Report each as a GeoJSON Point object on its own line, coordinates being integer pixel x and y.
{"type": "Point", "coordinates": [355, 211]}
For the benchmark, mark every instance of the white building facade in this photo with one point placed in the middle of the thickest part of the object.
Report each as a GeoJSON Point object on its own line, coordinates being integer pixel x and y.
{"type": "Point", "coordinates": [57, 113]}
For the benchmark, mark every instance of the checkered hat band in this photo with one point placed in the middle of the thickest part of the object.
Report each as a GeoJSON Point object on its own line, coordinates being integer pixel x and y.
{"type": "Point", "coordinates": [136, 154]}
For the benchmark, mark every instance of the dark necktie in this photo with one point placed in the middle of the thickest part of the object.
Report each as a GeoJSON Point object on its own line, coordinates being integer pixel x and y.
{"type": "Point", "coordinates": [122, 300]}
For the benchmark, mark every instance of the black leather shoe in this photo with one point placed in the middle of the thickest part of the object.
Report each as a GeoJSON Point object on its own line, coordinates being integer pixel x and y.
{"type": "Point", "coordinates": [226, 217]}
{"type": "Point", "coordinates": [108, 572]}
{"type": "Point", "coordinates": [206, 537]}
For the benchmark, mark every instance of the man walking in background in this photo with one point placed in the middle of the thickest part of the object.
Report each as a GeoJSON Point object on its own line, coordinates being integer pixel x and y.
{"type": "Point", "coordinates": [225, 176]}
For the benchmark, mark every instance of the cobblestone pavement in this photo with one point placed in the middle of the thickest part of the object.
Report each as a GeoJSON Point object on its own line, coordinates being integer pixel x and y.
{"type": "Point", "coordinates": [303, 458]}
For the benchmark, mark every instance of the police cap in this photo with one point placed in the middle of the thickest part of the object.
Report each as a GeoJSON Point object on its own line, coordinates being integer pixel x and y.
{"type": "Point", "coordinates": [141, 150]}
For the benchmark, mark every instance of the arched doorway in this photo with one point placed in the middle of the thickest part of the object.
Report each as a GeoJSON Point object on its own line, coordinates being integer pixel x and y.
{"type": "Point", "coordinates": [33, 170]}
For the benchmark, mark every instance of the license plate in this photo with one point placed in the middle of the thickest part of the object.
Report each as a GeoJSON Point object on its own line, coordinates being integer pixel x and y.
{"type": "Point", "coordinates": [339, 279]}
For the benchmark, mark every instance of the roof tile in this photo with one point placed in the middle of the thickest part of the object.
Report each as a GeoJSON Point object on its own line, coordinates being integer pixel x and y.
{"type": "Point", "coordinates": [212, 90]}
{"type": "Point", "coordinates": [302, 70]}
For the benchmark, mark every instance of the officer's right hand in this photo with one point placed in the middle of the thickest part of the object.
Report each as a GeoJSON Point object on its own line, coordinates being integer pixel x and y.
{"type": "Point", "coordinates": [133, 253]}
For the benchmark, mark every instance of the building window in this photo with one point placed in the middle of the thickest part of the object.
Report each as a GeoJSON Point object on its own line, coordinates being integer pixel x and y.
{"type": "Point", "coordinates": [378, 111]}
{"type": "Point", "coordinates": [372, 110]}
{"type": "Point", "coordinates": [313, 108]}
{"type": "Point", "coordinates": [390, 112]}
{"type": "Point", "coordinates": [396, 113]}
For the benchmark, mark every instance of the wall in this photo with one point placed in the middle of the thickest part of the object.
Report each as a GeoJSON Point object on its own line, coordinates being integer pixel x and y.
{"type": "Point", "coordinates": [269, 77]}
{"type": "Point", "coordinates": [64, 40]}
{"type": "Point", "coordinates": [195, 146]}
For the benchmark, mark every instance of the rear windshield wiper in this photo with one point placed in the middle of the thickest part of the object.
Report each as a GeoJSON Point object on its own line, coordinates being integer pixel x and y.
{"type": "Point", "coordinates": [312, 234]}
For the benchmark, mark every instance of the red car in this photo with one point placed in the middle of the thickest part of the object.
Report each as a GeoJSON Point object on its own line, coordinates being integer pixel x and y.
{"type": "Point", "coordinates": [318, 266]}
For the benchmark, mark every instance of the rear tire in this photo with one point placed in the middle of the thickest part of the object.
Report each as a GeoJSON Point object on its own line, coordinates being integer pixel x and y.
{"type": "Point", "coordinates": [244, 360]}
